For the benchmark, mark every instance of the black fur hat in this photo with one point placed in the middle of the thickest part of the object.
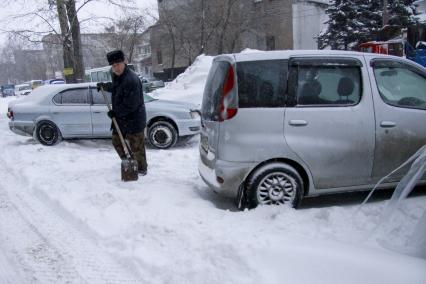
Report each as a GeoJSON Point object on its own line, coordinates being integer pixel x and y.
{"type": "Point", "coordinates": [115, 56]}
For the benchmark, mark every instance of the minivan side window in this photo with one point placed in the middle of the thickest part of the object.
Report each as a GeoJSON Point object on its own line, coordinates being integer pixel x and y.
{"type": "Point", "coordinates": [213, 90]}
{"type": "Point", "coordinates": [74, 96]}
{"type": "Point", "coordinates": [399, 84]}
{"type": "Point", "coordinates": [262, 83]}
{"type": "Point", "coordinates": [325, 83]}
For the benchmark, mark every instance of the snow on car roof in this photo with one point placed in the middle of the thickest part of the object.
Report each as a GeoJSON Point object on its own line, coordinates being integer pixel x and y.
{"type": "Point", "coordinates": [281, 54]}
{"type": "Point", "coordinates": [40, 93]}
{"type": "Point", "coordinates": [254, 55]}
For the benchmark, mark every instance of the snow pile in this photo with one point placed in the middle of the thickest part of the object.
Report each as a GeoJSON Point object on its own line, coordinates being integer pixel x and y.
{"type": "Point", "coordinates": [416, 244]}
{"type": "Point", "coordinates": [421, 17]}
{"type": "Point", "coordinates": [421, 9]}
{"type": "Point", "coordinates": [188, 86]}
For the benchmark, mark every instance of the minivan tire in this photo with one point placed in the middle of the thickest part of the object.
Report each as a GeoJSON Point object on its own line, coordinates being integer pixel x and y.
{"type": "Point", "coordinates": [47, 133]}
{"type": "Point", "coordinates": [274, 184]}
{"type": "Point", "coordinates": [162, 135]}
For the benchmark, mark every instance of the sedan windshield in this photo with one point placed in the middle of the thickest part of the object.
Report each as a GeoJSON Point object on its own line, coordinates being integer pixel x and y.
{"type": "Point", "coordinates": [148, 99]}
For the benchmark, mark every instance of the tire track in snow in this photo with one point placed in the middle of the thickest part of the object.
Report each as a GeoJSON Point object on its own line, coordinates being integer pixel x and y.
{"type": "Point", "coordinates": [50, 249]}
{"type": "Point", "coordinates": [38, 260]}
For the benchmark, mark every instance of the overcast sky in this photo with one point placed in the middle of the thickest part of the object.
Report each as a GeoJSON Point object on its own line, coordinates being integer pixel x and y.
{"type": "Point", "coordinates": [95, 9]}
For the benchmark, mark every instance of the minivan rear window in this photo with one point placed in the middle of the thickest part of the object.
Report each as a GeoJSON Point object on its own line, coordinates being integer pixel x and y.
{"type": "Point", "coordinates": [210, 108]}
{"type": "Point", "coordinates": [262, 83]}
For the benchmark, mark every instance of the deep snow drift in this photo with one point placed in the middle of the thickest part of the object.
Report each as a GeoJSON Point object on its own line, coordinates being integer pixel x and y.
{"type": "Point", "coordinates": [64, 210]}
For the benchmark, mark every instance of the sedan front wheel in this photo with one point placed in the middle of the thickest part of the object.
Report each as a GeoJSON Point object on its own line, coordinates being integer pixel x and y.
{"type": "Point", "coordinates": [162, 135]}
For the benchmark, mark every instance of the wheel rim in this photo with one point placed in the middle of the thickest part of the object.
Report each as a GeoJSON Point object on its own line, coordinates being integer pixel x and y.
{"type": "Point", "coordinates": [47, 133]}
{"type": "Point", "coordinates": [162, 136]}
{"type": "Point", "coordinates": [276, 189]}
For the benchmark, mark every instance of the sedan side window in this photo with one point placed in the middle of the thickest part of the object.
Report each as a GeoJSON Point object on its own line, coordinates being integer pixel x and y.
{"type": "Point", "coordinates": [98, 98]}
{"type": "Point", "coordinates": [400, 85]}
{"type": "Point", "coordinates": [74, 96]}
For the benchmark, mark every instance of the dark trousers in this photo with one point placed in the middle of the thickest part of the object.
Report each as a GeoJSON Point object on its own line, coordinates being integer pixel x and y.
{"type": "Point", "coordinates": [137, 146]}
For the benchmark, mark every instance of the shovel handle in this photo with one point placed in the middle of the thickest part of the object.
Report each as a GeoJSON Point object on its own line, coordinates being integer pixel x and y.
{"type": "Point", "coordinates": [114, 121]}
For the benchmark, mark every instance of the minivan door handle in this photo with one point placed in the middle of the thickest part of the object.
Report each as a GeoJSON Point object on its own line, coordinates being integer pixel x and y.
{"type": "Point", "coordinates": [297, 122]}
{"type": "Point", "coordinates": [387, 124]}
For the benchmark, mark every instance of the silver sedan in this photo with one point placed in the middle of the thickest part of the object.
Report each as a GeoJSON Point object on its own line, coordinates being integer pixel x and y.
{"type": "Point", "coordinates": [54, 112]}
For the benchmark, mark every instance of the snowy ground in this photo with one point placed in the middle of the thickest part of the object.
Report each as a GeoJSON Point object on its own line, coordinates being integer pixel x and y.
{"type": "Point", "coordinates": [65, 217]}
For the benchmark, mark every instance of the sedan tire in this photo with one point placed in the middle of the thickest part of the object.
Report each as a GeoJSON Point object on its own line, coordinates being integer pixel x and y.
{"type": "Point", "coordinates": [162, 135]}
{"type": "Point", "coordinates": [47, 133]}
{"type": "Point", "coordinates": [274, 184]}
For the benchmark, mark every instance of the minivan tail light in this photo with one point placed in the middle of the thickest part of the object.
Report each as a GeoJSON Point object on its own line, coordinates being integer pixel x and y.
{"type": "Point", "coordinates": [10, 114]}
{"type": "Point", "coordinates": [228, 105]}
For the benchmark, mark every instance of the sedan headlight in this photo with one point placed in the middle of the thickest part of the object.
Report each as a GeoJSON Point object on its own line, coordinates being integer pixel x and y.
{"type": "Point", "coordinates": [194, 114]}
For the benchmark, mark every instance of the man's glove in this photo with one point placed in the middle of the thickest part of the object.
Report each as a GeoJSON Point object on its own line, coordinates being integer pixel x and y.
{"type": "Point", "coordinates": [101, 85]}
{"type": "Point", "coordinates": [111, 114]}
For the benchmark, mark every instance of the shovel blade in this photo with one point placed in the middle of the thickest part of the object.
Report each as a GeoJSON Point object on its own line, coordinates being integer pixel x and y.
{"type": "Point", "coordinates": [129, 170]}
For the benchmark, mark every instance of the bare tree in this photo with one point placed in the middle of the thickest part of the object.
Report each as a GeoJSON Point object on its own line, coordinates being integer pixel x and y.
{"type": "Point", "coordinates": [64, 12]}
{"type": "Point", "coordinates": [169, 24]}
{"type": "Point", "coordinates": [8, 74]}
{"type": "Point", "coordinates": [125, 33]}
{"type": "Point", "coordinates": [76, 39]}
{"type": "Point", "coordinates": [211, 27]}
{"type": "Point", "coordinates": [66, 41]}
{"type": "Point", "coordinates": [18, 64]}
{"type": "Point", "coordinates": [235, 20]}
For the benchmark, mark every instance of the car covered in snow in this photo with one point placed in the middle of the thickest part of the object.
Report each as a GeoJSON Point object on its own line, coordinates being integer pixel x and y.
{"type": "Point", "coordinates": [22, 89]}
{"type": "Point", "coordinates": [151, 84]}
{"type": "Point", "coordinates": [282, 125]}
{"type": "Point", "coordinates": [53, 112]}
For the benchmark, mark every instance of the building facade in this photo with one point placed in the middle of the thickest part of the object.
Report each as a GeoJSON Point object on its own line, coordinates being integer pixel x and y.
{"type": "Point", "coordinates": [94, 48]}
{"type": "Point", "coordinates": [187, 28]}
{"type": "Point", "coordinates": [309, 20]}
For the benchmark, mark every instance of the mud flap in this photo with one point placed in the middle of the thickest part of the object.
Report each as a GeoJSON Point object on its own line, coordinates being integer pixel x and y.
{"type": "Point", "coordinates": [241, 200]}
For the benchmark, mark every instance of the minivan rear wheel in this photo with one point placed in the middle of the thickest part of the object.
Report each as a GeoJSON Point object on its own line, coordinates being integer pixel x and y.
{"type": "Point", "coordinates": [274, 184]}
{"type": "Point", "coordinates": [47, 133]}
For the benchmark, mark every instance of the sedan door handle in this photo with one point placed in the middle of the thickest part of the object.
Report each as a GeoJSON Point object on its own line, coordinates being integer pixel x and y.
{"type": "Point", "coordinates": [96, 112]}
{"type": "Point", "coordinates": [387, 124]}
{"type": "Point", "coordinates": [297, 122]}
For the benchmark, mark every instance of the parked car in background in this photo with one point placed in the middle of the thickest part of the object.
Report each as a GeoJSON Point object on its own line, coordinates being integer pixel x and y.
{"type": "Point", "coordinates": [34, 83]}
{"type": "Point", "coordinates": [151, 84]}
{"type": "Point", "coordinates": [53, 81]}
{"type": "Point", "coordinates": [101, 74]}
{"type": "Point", "coordinates": [22, 89]}
{"type": "Point", "coordinates": [282, 125]}
{"type": "Point", "coordinates": [7, 90]}
{"type": "Point", "coordinates": [67, 111]}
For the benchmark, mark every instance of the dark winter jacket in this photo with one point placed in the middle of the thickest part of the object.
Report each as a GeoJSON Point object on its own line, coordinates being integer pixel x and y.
{"type": "Point", "coordinates": [127, 102]}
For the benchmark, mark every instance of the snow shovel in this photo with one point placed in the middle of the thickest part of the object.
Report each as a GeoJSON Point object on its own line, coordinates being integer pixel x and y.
{"type": "Point", "coordinates": [129, 166]}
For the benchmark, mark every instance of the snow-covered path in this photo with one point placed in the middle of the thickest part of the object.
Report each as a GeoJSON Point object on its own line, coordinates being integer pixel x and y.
{"type": "Point", "coordinates": [65, 217]}
{"type": "Point", "coordinates": [55, 250]}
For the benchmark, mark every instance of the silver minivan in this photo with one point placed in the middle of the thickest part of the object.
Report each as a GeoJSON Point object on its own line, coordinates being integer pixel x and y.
{"type": "Point", "coordinates": [278, 126]}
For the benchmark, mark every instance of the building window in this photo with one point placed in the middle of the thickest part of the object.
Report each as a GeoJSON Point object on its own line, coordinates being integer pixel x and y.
{"type": "Point", "coordinates": [270, 43]}
{"type": "Point", "coordinates": [159, 57]}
